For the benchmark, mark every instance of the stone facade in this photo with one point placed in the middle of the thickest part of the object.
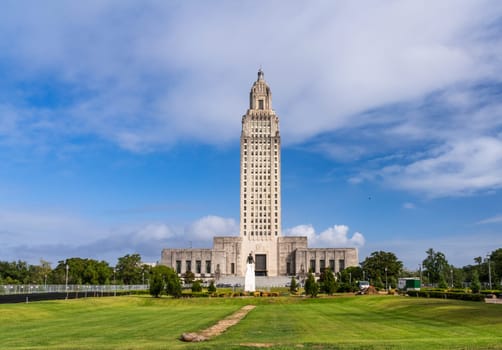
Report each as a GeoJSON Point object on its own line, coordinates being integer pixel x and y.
{"type": "Point", "coordinates": [260, 199]}
{"type": "Point", "coordinates": [260, 211]}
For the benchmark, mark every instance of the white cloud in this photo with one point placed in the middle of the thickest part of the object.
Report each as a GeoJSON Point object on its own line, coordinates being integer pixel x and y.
{"type": "Point", "coordinates": [204, 229]}
{"type": "Point", "coordinates": [55, 236]}
{"type": "Point", "coordinates": [491, 220]}
{"type": "Point", "coordinates": [184, 71]}
{"type": "Point", "coordinates": [335, 237]}
{"type": "Point", "coordinates": [157, 232]}
{"type": "Point", "coordinates": [45, 226]}
{"type": "Point", "coordinates": [301, 230]}
{"type": "Point", "coordinates": [409, 205]}
{"type": "Point", "coordinates": [464, 167]}
{"type": "Point", "coordinates": [460, 249]}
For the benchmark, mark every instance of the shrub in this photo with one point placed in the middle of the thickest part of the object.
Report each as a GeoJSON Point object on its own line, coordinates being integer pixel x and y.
{"type": "Point", "coordinates": [188, 277]}
{"type": "Point", "coordinates": [293, 287]}
{"type": "Point", "coordinates": [157, 285]}
{"type": "Point", "coordinates": [475, 284]}
{"type": "Point", "coordinates": [328, 284]}
{"type": "Point", "coordinates": [446, 295]}
{"type": "Point", "coordinates": [311, 286]}
{"type": "Point", "coordinates": [197, 286]}
{"type": "Point", "coordinates": [211, 288]}
{"type": "Point", "coordinates": [442, 283]}
{"type": "Point", "coordinates": [173, 284]}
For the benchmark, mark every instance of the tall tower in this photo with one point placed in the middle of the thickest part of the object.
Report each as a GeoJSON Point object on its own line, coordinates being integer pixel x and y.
{"type": "Point", "coordinates": [260, 223]}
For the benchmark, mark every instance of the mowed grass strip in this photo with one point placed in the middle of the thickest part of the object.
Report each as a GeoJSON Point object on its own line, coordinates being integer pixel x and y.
{"type": "Point", "coordinates": [106, 323]}
{"type": "Point", "coordinates": [367, 322]}
{"type": "Point", "coordinates": [379, 322]}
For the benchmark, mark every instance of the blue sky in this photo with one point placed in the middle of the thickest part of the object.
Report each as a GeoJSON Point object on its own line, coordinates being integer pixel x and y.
{"type": "Point", "coordinates": [120, 124]}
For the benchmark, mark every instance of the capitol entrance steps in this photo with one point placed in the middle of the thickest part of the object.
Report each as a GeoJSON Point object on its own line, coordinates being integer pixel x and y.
{"type": "Point", "coordinates": [261, 281]}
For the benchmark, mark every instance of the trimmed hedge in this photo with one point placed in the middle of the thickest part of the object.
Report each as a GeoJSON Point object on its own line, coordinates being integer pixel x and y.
{"type": "Point", "coordinates": [189, 294]}
{"type": "Point", "coordinates": [488, 292]}
{"type": "Point", "coordinates": [446, 295]}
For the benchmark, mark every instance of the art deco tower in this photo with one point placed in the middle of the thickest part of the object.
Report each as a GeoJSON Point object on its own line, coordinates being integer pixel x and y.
{"type": "Point", "coordinates": [260, 223]}
{"type": "Point", "coordinates": [260, 210]}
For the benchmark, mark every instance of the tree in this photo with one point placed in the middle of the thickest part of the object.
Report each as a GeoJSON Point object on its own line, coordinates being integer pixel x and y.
{"type": "Point", "coordinates": [39, 274]}
{"type": "Point", "coordinates": [173, 283]}
{"type": "Point", "coordinates": [458, 277]}
{"type": "Point", "coordinates": [311, 286]}
{"type": "Point", "coordinates": [188, 277]}
{"type": "Point", "coordinates": [156, 285]}
{"type": "Point", "coordinates": [104, 272]}
{"type": "Point", "coordinates": [158, 279]}
{"type": "Point", "coordinates": [442, 283]}
{"type": "Point", "coordinates": [382, 266]}
{"type": "Point", "coordinates": [211, 288]}
{"type": "Point", "coordinates": [475, 284]}
{"type": "Point", "coordinates": [348, 277]}
{"type": "Point", "coordinates": [378, 283]}
{"type": "Point", "coordinates": [197, 286]}
{"type": "Point", "coordinates": [16, 272]}
{"type": "Point", "coordinates": [129, 270]}
{"type": "Point", "coordinates": [81, 271]}
{"type": "Point", "coordinates": [293, 286]}
{"type": "Point", "coordinates": [328, 284]}
{"type": "Point", "coordinates": [436, 266]}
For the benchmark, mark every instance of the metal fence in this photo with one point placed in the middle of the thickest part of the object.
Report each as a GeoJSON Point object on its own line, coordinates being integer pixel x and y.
{"type": "Point", "coordinates": [9, 289]}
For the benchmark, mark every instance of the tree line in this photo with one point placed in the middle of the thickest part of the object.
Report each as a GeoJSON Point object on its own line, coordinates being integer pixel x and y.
{"type": "Point", "coordinates": [382, 269]}
{"type": "Point", "coordinates": [128, 270]}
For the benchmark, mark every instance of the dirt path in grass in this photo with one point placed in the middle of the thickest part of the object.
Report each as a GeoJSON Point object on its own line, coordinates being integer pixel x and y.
{"type": "Point", "coordinates": [219, 327]}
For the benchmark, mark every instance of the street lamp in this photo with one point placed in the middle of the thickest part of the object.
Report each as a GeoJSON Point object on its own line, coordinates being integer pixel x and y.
{"type": "Point", "coordinates": [386, 285]}
{"type": "Point", "coordinates": [66, 281]}
{"type": "Point", "coordinates": [489, 271]}
{"type": "Point", "coordinates": [451, 277]}
{"type": "Point", "coordinates": [114, 282]}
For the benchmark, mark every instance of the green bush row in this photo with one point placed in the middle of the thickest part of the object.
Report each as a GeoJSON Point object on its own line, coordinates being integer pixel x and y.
{"type": "Point", "coordinates": [446, 295]}
{"type": "Point", "coordinates": [491, 292]}
{"type": "Point", "coordinates": [187, 294]}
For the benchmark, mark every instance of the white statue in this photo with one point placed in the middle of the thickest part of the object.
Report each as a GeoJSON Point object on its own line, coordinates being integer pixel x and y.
{"type": "Point", "coordinates": [249, 282]}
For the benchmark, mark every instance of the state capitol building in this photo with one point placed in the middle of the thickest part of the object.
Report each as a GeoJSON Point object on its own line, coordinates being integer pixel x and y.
{"type": "Point", "coordinates": [260, 212]}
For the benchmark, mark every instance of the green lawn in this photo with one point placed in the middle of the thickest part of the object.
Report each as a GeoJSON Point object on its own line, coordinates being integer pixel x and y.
{"type": "Point", "coordinates": [141, 322]}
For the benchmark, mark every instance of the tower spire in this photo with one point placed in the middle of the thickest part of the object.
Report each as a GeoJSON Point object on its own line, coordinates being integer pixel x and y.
{"type": "Point", "coordinates": [260, 96]}
{"type": "Point", "coordinates": [260, 74]}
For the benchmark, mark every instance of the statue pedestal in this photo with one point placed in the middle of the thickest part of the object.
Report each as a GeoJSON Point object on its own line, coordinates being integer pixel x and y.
{"type": "Point", "coordinates": [249, 282]}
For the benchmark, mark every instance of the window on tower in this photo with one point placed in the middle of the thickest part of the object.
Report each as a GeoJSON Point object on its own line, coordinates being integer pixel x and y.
{"type": "Point", "coordinates": [260, 104]}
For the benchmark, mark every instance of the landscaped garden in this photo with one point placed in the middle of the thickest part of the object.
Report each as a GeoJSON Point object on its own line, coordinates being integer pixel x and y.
{"type": "Point", "coordinates": [340, 322]}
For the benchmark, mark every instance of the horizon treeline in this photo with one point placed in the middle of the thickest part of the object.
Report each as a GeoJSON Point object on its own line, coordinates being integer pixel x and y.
{"type": "Point", "coordinates": [381, 268]}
